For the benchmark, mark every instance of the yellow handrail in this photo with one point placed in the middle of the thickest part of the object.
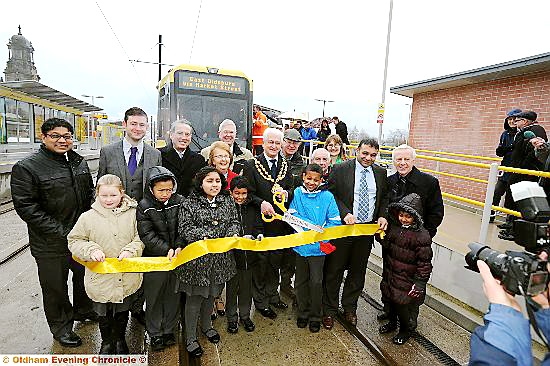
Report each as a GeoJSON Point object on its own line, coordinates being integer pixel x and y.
{"type": "Point", "coordinates": [455, 176]}
{"type": "Point", "coordinates": [450, 154]}
{"type": "Point", "coordinates": [480, 204]}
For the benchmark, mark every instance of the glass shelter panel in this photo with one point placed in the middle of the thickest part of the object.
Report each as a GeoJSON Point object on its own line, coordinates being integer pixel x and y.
{"type": "Point", "coordinates": [38, 121]}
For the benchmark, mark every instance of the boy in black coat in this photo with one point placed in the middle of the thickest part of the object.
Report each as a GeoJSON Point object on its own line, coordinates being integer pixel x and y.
{"type": "Point", "coordinates": [157, 221]}
{"type": "Point", "coordinates": [240, 286]}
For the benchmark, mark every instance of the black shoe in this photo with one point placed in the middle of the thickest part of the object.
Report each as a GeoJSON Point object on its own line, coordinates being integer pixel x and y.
{"type": "Point", "coordinates": [505, 226]}
{"type": "Point", "coordinates": [248, 325]}
{"type": "Point", "coordinates": [387, 328]}
{"type": "Point", "coordinates": [402, 337]}
{"type": "Point", "coordinates": [232, 327]}
{"type": "Point", "coordinates": [69, 339]}
{"type": "Point", "coordinates": [506, 235]}
{"type": "Point", "coordinates": [169, 339]}
{"type": "Point", "coordinates": [139, 316]}
{"type": "Point", "coordinates": [212, 335]}
{"type": "Point", "coordinates": [91, 316]}
{"type": "Point", "coordinates": [268, 313]}
{"type": "Point", "coordinates": [314, 326]}
{"type": "Point", "coordinates": [383, 315]}
{"type": "Point", "coordinates": [121, 347]}
{"type": "Point", "coordinates": [492, 218]}
{"type": "Point", "coordinates": [301, 322]}
{"type": "Point", "coordinates": [107, 348]}
{"type": "Point", "coordinates": [194, 349]}
{"type": "Point", "coordinates": [157, 343]}
{"type": "Point", "coordinates": [280, 305]}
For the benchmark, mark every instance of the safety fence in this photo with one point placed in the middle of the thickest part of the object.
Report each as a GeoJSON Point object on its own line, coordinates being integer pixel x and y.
{"type": "Point", "coordinates": [438, 158]}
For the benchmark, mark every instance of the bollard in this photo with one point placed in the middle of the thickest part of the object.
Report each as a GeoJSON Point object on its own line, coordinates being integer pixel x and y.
{"type": "Point", "coordinates": [493, 175]}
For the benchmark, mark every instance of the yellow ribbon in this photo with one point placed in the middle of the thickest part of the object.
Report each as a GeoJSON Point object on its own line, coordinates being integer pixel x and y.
{"type": "Point", "coordinates": [221, 245]}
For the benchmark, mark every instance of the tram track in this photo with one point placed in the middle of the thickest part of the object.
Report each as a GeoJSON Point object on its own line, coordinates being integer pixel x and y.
{"type": "Point", "coordinates": [6, 206]}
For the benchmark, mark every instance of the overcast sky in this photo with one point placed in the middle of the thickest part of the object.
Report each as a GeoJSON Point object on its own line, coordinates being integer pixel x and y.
{"type": "Point", "coordinates": [295, 51]}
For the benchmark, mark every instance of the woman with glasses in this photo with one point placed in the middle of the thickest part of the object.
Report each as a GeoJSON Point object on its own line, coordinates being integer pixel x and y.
{"type": "Point", "coordinates": [336, 149]}
{"type": "Point", "coordinates": [220, 157]}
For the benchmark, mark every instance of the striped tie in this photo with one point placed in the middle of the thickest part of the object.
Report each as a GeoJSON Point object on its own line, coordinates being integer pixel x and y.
{"type": "Point", "coordinates": [363, 207]}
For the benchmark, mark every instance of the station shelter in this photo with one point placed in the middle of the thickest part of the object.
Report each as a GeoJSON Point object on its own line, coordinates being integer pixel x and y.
{"type": "Point", "coordinates": [464, 113]}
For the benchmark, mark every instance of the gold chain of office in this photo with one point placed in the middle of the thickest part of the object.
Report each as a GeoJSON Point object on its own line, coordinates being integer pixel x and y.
{"type": "Point", "coordinates": [265, 174]}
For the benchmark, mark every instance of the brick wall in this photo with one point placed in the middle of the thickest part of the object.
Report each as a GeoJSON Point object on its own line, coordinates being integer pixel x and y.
{"type": "Point", "coordinates": [469, 119]}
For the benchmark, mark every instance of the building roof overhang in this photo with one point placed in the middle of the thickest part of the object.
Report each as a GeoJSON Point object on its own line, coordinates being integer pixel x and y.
{"type": "Point", "coordinates": [39, 90]}
{"type": "Point", "coordinates": [528, 65]}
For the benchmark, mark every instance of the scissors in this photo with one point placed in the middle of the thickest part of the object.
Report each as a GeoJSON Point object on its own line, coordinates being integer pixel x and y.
{"type": "Point", "coordinates": [297, 223]}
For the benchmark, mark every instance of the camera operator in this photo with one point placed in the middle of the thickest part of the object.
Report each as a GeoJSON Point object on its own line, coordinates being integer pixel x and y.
{"type": "Point", "coordinates": [505, 339]}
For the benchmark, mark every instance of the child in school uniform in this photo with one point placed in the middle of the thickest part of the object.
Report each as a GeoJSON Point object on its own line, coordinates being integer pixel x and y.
{"type": "Point", "coordinates": [157, 222]}
{"type": "Point", "coordinates": [207, 213]}
{"type": "Point", "coordinates": [109, 230]}
{"type": "Point", "coordinates": [409, 255]}
{"type": "Point", "coordinates": [239, 288]}
{"type": "Point", "coordinates": [318, 207]}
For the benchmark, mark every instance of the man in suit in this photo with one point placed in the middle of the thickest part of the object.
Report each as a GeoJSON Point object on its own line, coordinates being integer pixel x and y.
{"type": "Point", "coordinates": [268, 173]}
{"type": "Point", "coordinates": [130, 160]}
{"type": "Point", "coordinates": [363, 199]}
{"type": "Point", "coordinates": [227, 132]}
{"type": "Point", "coordinates": [178, 157]}
{"type": "Point", "coordinates": [406, 180]}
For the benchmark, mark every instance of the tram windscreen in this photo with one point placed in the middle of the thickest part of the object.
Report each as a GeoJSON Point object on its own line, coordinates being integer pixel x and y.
{"type": "Point", "coordinates": [205, 114]}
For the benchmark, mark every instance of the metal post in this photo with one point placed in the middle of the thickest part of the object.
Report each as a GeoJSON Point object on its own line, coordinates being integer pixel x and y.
{"type": "Point", "coordinates": [160, 56]}
{"type": "Point", "coordinates": [493, 175]}
{"type": "Point", "coordinates": [385, 69]}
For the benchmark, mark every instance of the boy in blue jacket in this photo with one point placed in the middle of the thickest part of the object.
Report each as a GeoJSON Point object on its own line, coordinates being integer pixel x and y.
{"type": "Point", "coordinates": [319, 208]}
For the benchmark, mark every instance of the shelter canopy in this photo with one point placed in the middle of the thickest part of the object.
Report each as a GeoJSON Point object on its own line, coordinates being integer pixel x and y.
{"type": "Point", "coordinates": [38, 90]}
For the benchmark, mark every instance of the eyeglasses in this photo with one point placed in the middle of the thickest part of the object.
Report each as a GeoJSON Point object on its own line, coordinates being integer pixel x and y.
{"type": "Point", "coordinates": [57, 137]}
{"type": "Point", "coordinates": [227, 157]}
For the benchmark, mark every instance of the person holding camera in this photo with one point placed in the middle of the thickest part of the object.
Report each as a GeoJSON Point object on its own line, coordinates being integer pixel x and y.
{"type": "Point", "coordinates": [505, 339]}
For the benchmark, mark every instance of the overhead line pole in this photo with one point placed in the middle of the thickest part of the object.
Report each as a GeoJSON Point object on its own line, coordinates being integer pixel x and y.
{"type": "Point", "coordinates": [160, 56]}
{"type": "Point", "coordinates": [385, 70]}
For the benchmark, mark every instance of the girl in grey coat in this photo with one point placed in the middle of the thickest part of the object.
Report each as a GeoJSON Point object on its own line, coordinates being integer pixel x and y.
{"type": "Point", "coordinates": [205, 214]}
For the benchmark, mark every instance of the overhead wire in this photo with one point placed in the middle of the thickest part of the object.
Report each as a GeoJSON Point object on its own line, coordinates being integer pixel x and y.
{"type": "Point", "coordinates": [195, 34]}
{"type": "Point", "coordinates": [122, 47]}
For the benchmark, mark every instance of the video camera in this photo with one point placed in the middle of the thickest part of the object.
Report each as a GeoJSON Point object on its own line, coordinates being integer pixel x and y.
{"type": "Point", "coordinates": [521, 273]}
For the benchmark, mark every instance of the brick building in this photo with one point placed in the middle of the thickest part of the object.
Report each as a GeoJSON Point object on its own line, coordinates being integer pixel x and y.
{"type": "Point", "coordinates": [464, 113]}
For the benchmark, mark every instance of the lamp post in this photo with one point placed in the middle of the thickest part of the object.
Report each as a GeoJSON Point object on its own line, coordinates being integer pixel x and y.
{"type": "Point", "coordinates": [409, 105]}
{"type": "Point", "coordinates": [385, 69]}
{"type": "Point", "coordinates": [93, 103]}
{"type": "Point", "coordinates": [324, 103]}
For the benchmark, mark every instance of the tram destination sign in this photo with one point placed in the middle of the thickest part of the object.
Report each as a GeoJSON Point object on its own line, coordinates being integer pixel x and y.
{"type": "Point", "coordinates": [210, 82]}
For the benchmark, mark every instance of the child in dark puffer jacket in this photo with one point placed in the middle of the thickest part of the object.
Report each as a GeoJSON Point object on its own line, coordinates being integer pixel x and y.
{"type": "Point", "coordinates": [409, 250]}
{"type": "Point", "coordinates": [157, 223]}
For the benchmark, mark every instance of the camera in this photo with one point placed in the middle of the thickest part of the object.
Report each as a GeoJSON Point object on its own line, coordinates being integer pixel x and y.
{"type": "Point", "coordinates": [532, 231]}
{"type": "Point", "coordinates": [521, 273]}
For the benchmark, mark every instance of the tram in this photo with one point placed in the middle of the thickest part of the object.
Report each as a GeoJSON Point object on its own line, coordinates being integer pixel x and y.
{"type": "Point", "coordinates": [205, 96]}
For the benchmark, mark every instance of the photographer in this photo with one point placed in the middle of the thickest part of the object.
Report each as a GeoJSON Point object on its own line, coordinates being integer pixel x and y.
{"type": "Point", "coordinates": [505, 339]}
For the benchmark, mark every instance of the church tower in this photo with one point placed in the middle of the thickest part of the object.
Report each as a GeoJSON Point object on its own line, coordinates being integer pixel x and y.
{"type": "Point", "coordinates": [20, 64]}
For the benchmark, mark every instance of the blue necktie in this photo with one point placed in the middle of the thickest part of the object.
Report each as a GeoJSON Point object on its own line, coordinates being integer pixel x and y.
{"type": "Point", "coordinates": [273, 168]}
{"type": "Point", "coordinates": [132, 162]}
{"type": "Point", "coordinates": [363, 207]}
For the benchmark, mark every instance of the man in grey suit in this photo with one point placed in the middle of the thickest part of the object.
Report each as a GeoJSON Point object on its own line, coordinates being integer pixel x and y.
{"type": "Point", "coordinates": [130, 160]}
{"type": "Point", "coordinates": [363, 199]}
